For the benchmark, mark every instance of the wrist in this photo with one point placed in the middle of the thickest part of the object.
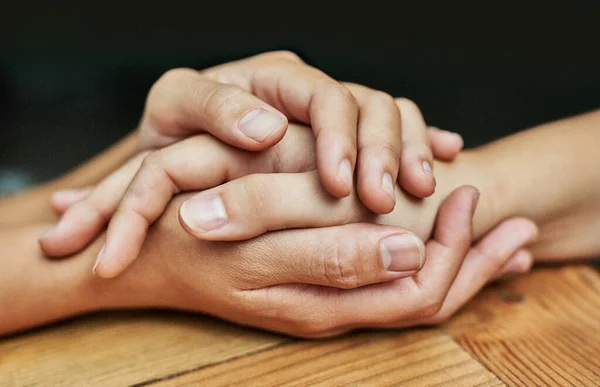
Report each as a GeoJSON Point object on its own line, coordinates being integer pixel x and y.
{"type": "Point", "coordinates": [477, 168]}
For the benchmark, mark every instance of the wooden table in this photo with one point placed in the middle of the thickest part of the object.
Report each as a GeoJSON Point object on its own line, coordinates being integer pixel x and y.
{"type": "Point", "coordinates": [541, 329]}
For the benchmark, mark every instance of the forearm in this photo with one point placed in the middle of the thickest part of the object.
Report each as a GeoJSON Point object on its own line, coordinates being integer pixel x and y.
{"type": "Point", "coordinates": [33, 206]}
{"type": "Point", "coordinates": [35, 290]}
{"type": "Point", "coordinates": [550, 174]}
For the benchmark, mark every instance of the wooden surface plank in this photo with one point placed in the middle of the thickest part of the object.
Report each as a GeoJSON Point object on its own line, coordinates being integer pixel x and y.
{"type": "Point", "coordinates": [542, 329]}
{"type": "Point", "coordinates": [423, 357]}
{"type": "Point", "coordinates": [121, 349]}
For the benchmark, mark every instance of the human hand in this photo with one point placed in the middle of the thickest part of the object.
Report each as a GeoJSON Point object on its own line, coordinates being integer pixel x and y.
{"type": "Point", "coordinates": [247, 104]}
{"type": "Point", "coordinates": [325, 281]}
{"type": "Point", "coordinates": [177, 168]}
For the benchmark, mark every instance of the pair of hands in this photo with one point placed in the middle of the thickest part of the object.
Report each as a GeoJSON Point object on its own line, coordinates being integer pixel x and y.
{"type": "Point", "coordinates": [290, 281]}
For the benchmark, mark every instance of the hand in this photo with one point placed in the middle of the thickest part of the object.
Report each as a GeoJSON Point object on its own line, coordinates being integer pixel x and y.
{"type": "Point", "coordinates": [321, 282]}
{"type": "Point", "coordinates": [177, 168]}
{"type": "Point", "coordinates": [247, 104]}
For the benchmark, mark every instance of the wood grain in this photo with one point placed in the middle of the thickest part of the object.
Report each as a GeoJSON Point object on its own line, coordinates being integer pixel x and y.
{"type": "Point", "coordinates": [542, 329]}
{"type": "Point", "coordinates": [416, 358]}
{"type": "Point", "coordinates": [121, 349]}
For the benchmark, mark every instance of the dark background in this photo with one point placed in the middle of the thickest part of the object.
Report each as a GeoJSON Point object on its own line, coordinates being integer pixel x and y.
{"type": "Point", "coordinates": [73, 78]}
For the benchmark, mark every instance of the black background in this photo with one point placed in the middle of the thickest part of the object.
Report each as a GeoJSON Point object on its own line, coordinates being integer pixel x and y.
{"type": "Point", "coordinates": [73, 77]}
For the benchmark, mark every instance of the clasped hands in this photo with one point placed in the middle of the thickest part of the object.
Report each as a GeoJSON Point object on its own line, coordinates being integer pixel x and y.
{"type": "Point", "coordinates": [231, 211]}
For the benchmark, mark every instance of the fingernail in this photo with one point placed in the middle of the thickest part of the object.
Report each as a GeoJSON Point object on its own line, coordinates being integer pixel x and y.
{"type": "Point", "coordinates": [402, 253]}
{"type": "Point", "coordinates": [258, 124]}
{"type": "Point", "coordinates": [386, 183]}
{"type": "Point", "coordinates": [345, 173]}
{"type": "Point", "coordinates": [427, 168]}
{"type": "Point", "coordinates": [204, 213]}
{"type": "Point", "coordinates": [98, 258]}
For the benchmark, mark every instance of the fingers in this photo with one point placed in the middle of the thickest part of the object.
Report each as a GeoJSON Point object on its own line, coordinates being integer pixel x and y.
{"type": "Point", "coordinates": [519, 263]}
{"type": "Point", "coordinates": [85, 219]}
{"type": "Point", "coordinates": [416, 175]}
{"type": "Point", "coordinates": [306, 310]}
{"type": "Point", "coordinates": [163, 174]}
{"type": "Point", "coordinates": [253, 205]}
{"type": "Point", "coordinates": [486, 259]}
{"type": "Point", "coordinates": [451, 241]}
{"type": "Point", "coordinates": [379, 146]}
{"type": "Point", "coordinates": [309, 96]}
{"type": "Point", "coordinates": [183, 102]}
{"type": "Point", "coordinates": [445, 145]}
{"type": "Point", "coordinates": [62, 200]}
{"type": "Point", "coordinates": [343, 257]}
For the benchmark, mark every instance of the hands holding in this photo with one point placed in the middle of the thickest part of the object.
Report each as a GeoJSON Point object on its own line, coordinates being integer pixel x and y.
{"type": "Point", "coordinates": [314, 282]}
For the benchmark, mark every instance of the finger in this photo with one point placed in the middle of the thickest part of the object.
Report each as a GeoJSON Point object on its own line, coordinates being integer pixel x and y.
{"type": "Point", "coordinates": [379, 146]}
{"type": "Point", "coordinates": [307, 95]}
{"type": "Point", "coordinates": [485, 259]}
{"type": "Point", "coordinates": [85, 219]}
{"type": "Point", "coordinates": [163, 174]}
{"type": "Point", "coordinates": [445, 145]}
{"type": "Point", "coordinates": [520, 263]}
{"type": "Point", "coordinates": [345, 257]}
{"type": "Point", "coordinates": [252, 205]}
{"type": "Point", "coordinates": [62, 200]}
{"type": "Point", "coordinates": [178, 168]}
{"type": "Point", "coordinates": [451, 241]}
{"type": "Point", "coordinates": [416, 175]}
{"type": "Point", "coordinates": [183, 102]}
{"type": "Point", "coordinates": [310, 310]}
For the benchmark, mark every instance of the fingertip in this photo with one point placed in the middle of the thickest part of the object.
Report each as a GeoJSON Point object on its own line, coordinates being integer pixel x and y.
{"type": "Point", "coordinates": [378, 197]}
{"type": "Point", "coordinates": [417, 178]}
{"type": "Point", "coordinates": [262, 128]}
{"type": "Point", "coordinates": [444, 144]}
{"type": "Point", "coordinates": [339, 183]}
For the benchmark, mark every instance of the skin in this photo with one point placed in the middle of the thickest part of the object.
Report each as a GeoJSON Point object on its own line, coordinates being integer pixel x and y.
{"type": "Point", "coordinates": [198, 277]}
{"type": "Point", "coordinates": [349, 122]}
{"type": "Point", "coordinates": [175, 270]}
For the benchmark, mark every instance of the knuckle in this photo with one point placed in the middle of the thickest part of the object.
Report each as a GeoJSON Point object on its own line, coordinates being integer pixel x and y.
{"type": "Point", "coordinates": [339, 91]}
{"type": "Point", "coordinates": [159, 104]}
{"type": "Point", "coordinates": [257, 191]}
{"type": "Point", "coordinates": [176, 75]}
{"type": "Point", "coordinates": [417, 148]}
{"type": "Point", "coordinates": [218, 100]}
{"type": "Point", "coordinates": [405, 103]}
{"type": "Point", "coordinates": [381, 98]}
{"type": "Point", "coordinates": [284, 54]}
{"type": "Point", "coordinates": [339, 265]}
{"type": "Point", "coordinates": [384, 149]}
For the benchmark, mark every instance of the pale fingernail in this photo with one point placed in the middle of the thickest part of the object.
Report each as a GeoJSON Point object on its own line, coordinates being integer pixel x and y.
{"type": "Point", "coordinates": [98, 258]}
{"type": "Point", "coordinates": [386, 183]}
{"type": "Point", "coordinates": [204, 213]}
{"type": "Point", "coordinates": [258, 124]}
{"type": "Point", "coordinates": [427, 168]}
{"type": "Point", "coordinates": [345, 173]}
{"type": "Point", "coordinates": [402, 252]}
